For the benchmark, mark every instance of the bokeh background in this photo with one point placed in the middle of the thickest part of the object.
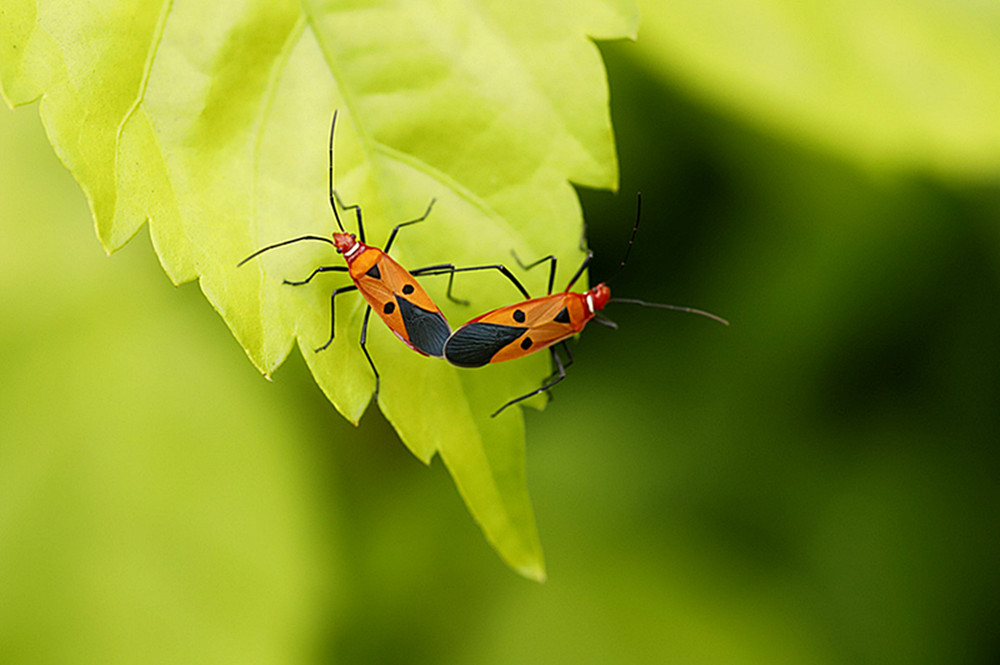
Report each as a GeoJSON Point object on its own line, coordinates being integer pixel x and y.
{"type": "Point", "coordinates": [815, 484]}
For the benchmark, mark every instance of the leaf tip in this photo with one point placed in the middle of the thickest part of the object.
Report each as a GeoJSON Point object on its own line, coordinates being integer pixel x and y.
{"type": "Point", "coordinates": [534, 571]}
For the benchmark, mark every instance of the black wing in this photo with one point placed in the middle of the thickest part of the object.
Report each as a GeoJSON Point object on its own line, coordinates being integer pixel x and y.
{"type": "Point", "coordinates": [475, 344]}
{"type": "Point", "coordinates": [427, 331]}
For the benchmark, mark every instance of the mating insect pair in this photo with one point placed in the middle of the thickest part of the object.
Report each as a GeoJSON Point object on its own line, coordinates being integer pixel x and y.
{"type": "Point", "coordinates": [506, 333]}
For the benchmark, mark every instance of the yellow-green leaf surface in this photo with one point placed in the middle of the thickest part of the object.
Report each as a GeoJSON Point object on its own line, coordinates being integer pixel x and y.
{"type": "Point", "coordinates": [155, 505]}
{"type": "Point", "coordinates": [211, 122]}
{"type": "Point", "coordinates": [891, 84]}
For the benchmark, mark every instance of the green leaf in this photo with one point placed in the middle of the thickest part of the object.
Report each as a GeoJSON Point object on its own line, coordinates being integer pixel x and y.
{"type": "Point", "coordinates": [211, 121]}
{"type": "Point", "coordinates": [145, 517]}
{"type": "Point", "coordinates": [897, 84]}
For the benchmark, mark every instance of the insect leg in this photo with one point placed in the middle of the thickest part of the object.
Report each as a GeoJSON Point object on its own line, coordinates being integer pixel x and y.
{"type": "Point", "coordinates": [569, 354]}
{"type": "Point", "coordinates": [364, 347]}
{"type": "Point", "coordinates": [395, 230]}
{"type": "Point", "coordinates": [333, 317]}
{"type": "Point", "coordinates": [605, 321]}
{"type": "Point", "coordinates": [316, 272]}
{"type": "Point", "coordinates": [566, 364]}
{"type": "Point", "coordinates": [335, 198]}
{"type": "Point", "coordinates": [552, 268]}
{"type": "Point", "coordinates": [560, 374]}
{"type": "Point", "coordinates": [450, 270]}
{"type": "Point", "coordinates": [583, 266]}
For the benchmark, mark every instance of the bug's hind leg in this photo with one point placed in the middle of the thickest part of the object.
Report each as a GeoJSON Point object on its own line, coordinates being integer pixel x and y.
{"type": "Point", "coordinates": [559, 375]}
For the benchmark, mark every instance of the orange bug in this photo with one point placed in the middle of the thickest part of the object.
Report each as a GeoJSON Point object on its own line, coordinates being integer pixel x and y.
{"type": "Point", "coordinates": [386, 286]}
{"type": "Point", "coordinates": [517, 330]}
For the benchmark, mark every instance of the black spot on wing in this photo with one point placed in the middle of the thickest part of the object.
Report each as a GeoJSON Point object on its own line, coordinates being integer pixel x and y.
{"type": "Point", "coordinates": [475, 344]}
{"type": "Point", "coordinates": [426, 330]}
{"type": "Point", "coordinates": [374, 272]}
{"type": "Point", "coordinates": [563, 316]}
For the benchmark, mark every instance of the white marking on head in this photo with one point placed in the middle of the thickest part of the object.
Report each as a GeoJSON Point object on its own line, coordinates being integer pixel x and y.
{"type": "Point", "coordinates": [354, 249]}
{"type": "Point", "coordinates": [590, 303]}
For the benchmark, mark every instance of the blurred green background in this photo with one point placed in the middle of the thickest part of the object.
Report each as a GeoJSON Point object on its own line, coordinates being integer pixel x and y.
{"type": "Point", "coordinates": [815, 484]}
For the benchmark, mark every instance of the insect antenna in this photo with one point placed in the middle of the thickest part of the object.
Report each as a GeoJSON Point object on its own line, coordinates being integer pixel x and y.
{"type": "Point", "coordinates": [631, 240]}
{"type": "Point", "coordinates": [333, 194]}
{"type": "Point", "coordinates": [282, 244]}
{"type": "Point", "coordinates": [689, 310]}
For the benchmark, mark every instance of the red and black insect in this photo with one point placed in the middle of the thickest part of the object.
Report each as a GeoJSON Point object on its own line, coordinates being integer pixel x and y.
{"type": "Point", "coordinates": [386, 286]}
{"type": "Point", "coordinates": [517, 330]}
